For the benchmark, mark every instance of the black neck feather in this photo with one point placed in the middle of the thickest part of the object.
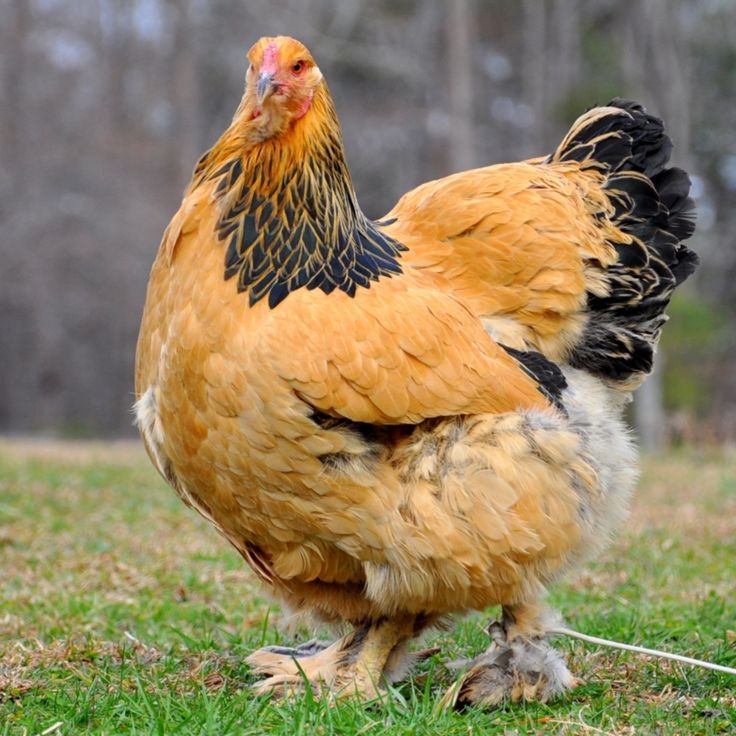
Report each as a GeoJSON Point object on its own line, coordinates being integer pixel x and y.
{"type": "Point", "coordinates": [288, 226]}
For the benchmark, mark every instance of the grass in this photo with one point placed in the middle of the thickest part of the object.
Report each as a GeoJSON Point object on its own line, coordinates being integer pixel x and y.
{"type": "Point", "coordinates": [121, 612]}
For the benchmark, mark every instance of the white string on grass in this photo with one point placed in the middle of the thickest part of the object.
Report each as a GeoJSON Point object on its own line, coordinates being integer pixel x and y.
{"type": "Point", "coordinates": [641, 650]}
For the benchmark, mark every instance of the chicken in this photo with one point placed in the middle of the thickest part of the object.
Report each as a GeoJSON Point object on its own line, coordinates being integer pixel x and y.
{"type": "Point", "coordinates": [397, 421]}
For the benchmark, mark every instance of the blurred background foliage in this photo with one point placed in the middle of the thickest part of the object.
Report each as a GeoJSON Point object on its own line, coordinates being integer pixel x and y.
{"type": "Point", "coordinates": [107, 104]}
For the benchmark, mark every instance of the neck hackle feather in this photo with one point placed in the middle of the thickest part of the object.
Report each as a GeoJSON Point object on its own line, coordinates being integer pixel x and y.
{"type": "Point", "coordinates": [289, 217]}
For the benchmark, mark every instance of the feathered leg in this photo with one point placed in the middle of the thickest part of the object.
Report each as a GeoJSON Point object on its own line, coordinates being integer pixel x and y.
{"type": "Point", "coordinates": [381, 640]}
{"type": "Point", "coordinates": [358, 663]}
{"type": "Point", "coordinates": [519, 664]}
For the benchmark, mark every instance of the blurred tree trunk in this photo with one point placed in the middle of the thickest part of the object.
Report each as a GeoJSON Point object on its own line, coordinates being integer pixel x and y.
{"type": "Point", "coordinates": [16, 26]}
{"type": "Point", "coordinates": [650, 418]}
{"type": "Point", "coordinates": [551, 65]}
{"type": "Point", "coordinates": [567, 36]}
{"type": "Point", "coordinates": [117, 22]}
{"type": "Point", "coordinates": [461, 144]}
{"type": "Point", "coordinates": [533, 73]}
{"type": "Point", "coordinates": [17, 345]}
{"type": "Point", "coordinates": [184, 93]}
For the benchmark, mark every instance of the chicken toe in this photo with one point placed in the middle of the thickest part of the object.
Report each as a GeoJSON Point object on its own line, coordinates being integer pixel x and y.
{"type": "Point", "coordinates": [357, 664]}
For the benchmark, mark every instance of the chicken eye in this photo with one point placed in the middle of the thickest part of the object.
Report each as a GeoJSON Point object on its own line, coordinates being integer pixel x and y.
{"type": "Point", "coordinates": [297, 68]}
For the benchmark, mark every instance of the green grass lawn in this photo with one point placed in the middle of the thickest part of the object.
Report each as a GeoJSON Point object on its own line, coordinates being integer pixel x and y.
{"type": "Point", "coordinates": [122, 612]}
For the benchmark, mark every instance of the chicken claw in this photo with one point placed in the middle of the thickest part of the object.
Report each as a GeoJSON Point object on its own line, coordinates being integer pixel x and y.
{"type": "Point", "coordinates": [356, 664]}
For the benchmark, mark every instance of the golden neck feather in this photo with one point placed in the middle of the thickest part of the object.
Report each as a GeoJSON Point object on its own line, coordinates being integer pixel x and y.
{"type": "Point", "coordinates": [289, 214]}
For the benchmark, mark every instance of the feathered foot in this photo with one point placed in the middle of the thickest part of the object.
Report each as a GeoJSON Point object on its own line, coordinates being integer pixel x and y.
{"type": "Point", "coordinates": [356, 664]}
{"type": "Point", "coordinates": [519, 665]}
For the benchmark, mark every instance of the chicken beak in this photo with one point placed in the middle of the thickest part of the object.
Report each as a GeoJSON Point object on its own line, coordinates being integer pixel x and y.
{"type": "Point", "coordinates": [265, 87]}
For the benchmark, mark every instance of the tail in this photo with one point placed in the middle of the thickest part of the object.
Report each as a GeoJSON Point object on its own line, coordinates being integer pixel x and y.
{"type": "Point", "coordinates": [650, 204]}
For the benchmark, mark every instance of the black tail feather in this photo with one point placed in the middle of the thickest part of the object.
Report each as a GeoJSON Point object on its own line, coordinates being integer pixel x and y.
{"type": "Point", "coordinates": [651, 203]}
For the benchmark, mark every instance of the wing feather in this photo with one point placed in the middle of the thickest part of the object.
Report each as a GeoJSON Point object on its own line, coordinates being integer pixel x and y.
{"type": "Point", "coordinates": [430, 358]}
{"type": "Point", "coordinates": [521, 244]}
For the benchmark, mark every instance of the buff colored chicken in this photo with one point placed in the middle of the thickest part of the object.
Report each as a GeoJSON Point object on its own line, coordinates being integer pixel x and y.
{"type": "Point", "coordinates": [396, 421]}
